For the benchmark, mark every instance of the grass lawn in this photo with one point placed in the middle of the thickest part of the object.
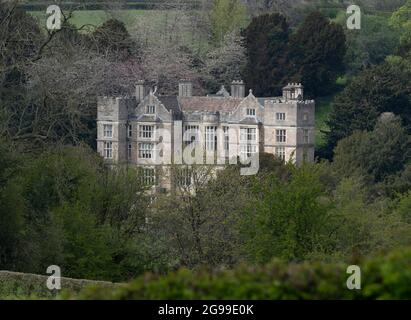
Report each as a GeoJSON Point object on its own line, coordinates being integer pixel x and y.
{"type": "Point", "coordinates": [98, 17]}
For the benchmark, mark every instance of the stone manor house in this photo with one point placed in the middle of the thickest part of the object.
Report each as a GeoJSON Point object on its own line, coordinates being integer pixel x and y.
{"type": "Point", "coordinates": [151, 131]}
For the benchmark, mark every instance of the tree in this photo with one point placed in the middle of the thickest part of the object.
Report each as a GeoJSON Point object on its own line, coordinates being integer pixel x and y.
{"type": "Point", "coordinates": [226, 16]}
{"type": "Point", "coordinates": [372, 45]}
{"type": "Point", "coordinates": [376, 155]}
{"type": "Point", "coordinates": [225, 63]}
{"type": "Point", "coordinates": [266, 41]}
{"type": "Point", "coordinates": [317, 52]}
{"type": "Point", "coordinates": [384, 88]}
{"type": "Point", "coordinates": [285, 219]}
{"type": "Point", "coordinates": [113, 39]}
{"type": "Point", "coordinates": [400, 20]}
{"type": "Point", "coordinates": [197, 222]}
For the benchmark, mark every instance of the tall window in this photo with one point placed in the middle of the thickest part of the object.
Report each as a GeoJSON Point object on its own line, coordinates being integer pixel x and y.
{"type": "Point", "coordinates": [306, 137]}
{"type": "Point", "coordinates": [280, 116]}
{"type": "Point", "coordinates": [305, 116]}
{"type": "Point", "coordinates": [151, 109]}
{"type": "Point", "coordinates": [190, 134]}
{"type": "Point", "coordinates": [145, 150]}
{"type": "Point", "coordinates": [129, 131]}
{"type": "Point", "coordinates": [226, 139]}
{"type": "Point", "coordinates": [248, 141]}
{"type": "Point", "coordinates": [211, 139]}
{"type": "Point", "coordinates": [148, 176]}
{"type": "Point", "coordinates": [250, 112]}
{"type": "Point", "coordinates": [108, 130]}
{"type": "Point", "coordinates": [146, 131]}
{"type": "Point", "coordinates": [281, 135]}
{"type": "Point", "coordinates": [108, 150]}
{"type": "Point", "coordinates": [280, 152]}
{"type": "Point", "coordinates": [129, 151]}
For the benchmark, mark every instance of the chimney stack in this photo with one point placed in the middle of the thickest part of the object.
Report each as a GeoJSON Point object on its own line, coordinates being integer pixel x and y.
{"type": "Point", "coordinates": [185, 88]}
{"type": "Point", "coordinates": [238, 89]}
{"type": "Point", "coordinates": [142, 89]}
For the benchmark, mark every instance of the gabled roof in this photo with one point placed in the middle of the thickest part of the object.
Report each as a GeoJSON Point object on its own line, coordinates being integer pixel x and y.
{"type": "Point", "coordinates": [170, 102]}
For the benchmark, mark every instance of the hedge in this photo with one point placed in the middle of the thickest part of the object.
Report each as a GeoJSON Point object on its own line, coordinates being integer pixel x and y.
{"type": "Point", "coordinates": [385, 276]}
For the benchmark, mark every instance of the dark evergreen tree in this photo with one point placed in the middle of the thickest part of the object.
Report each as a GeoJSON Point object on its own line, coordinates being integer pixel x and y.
{"type": "Point", "coordinates": [266, 41]}
{"type": "Point", "coordinates": [317, 53]}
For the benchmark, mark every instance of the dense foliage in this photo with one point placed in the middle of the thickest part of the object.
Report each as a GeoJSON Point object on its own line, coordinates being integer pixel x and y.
{"type": "Point", "coordinates": [60, 204]}
{"type": "Point", "coordinates": [385, 276]}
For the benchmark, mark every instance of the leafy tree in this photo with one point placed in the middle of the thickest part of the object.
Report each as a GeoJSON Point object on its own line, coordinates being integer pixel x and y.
{"type": "Point", "coordinates": [317, 52]}
{"type": "Point", "coordinates": [372, 45]}
{"type": "Point", "coordinates": [400, 20]}
{"type": "Point", "coordinates": [381, 89]}
{"type": "Point", "coordinates": [375, 155]}
{"type": "Point", "coordinates": [266, 41]}
{"type": "Point", "coordinates": [285, 220]}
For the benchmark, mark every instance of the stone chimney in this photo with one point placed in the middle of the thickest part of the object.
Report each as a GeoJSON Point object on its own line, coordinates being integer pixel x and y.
{"type": "Point", "coordinates": [142, 90]}
{"type": "Point", "coordinates": [238, 89]}
{"type": "Point", "coordinates": [185, 88]}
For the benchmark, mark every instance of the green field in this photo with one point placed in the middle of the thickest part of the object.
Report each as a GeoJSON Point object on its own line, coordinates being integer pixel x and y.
{"type": "Point", "coordinates": [98, 17]}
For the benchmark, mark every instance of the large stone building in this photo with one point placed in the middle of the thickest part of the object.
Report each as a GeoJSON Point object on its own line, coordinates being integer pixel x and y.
{"type": "Point", "coordinates": [151, 131]}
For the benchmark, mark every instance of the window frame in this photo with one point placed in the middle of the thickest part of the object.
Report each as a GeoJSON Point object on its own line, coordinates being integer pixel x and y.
{"type": "Point", "coordinates": [145, 150]}
{"type": "Point", "coordinates": [108, 149]}
{"type": "Point", "coordinates": [281, 135]}
{"type": "Point", "coordinates": [107, 133]}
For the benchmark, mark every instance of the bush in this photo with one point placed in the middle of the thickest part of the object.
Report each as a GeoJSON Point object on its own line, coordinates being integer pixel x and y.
{"type": "Point", "coordinates": [386, 276]}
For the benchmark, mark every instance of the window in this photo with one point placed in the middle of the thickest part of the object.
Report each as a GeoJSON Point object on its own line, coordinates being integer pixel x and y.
{"type": "Point", "coordinates": [108, 130]}
{"type": "Point", "coordinates": [148, 176]}
{"type": "Point", "coordinates": [248, 149]}
{"type": "Point", "coordinates": [211, 139]}
{"type": "Point", "coordinates": [146, 131]}
{"type": "Point", "coordinates": [306, 136]}
{"type": "Point", "coordinates": [145, 150]}
{"type": "Point", "coordinates": [280, 116]}
{"type": "Point", "coordinates": [281, 135]}
{"type": "Point", "coordinates": [248, 139]}
{"type": "Point", "coordinates": [151, 109]}
{"type": "Point", "coordinates": [248, 135]}
{"type": "Point", "coordinates": [250, 112]}
{"type": "Point", "coordinates": [129, 131]}
{"type": "Point", "coordinates": [280, 153]}
{"type": "Point", "coordinates": [184, 177]}
{"type": "Point", "coordinates": [190, 134]}
{"type": "Point", "coordinates": [226, 139]}
{"type": "Point", "coordinates": [108, 150]}
{"type": "Point", "coordinates": [129, 151]}
{"type": "Point", "coordinates": [305, 116]}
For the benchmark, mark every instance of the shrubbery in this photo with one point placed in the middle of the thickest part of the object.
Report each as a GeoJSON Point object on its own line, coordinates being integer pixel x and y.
{"type": "Point", "coordinates": [385, 276]}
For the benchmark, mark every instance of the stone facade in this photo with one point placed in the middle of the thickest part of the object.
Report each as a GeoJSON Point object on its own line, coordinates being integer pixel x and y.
{"type": "Point", "coordinates": [151, 131]}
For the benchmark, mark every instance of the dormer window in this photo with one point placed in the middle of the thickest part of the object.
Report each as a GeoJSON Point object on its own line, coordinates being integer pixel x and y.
{"type": "Point", "coordinates": [250, 112]}
{"type": "Point", "coordinates": [151, 109]}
